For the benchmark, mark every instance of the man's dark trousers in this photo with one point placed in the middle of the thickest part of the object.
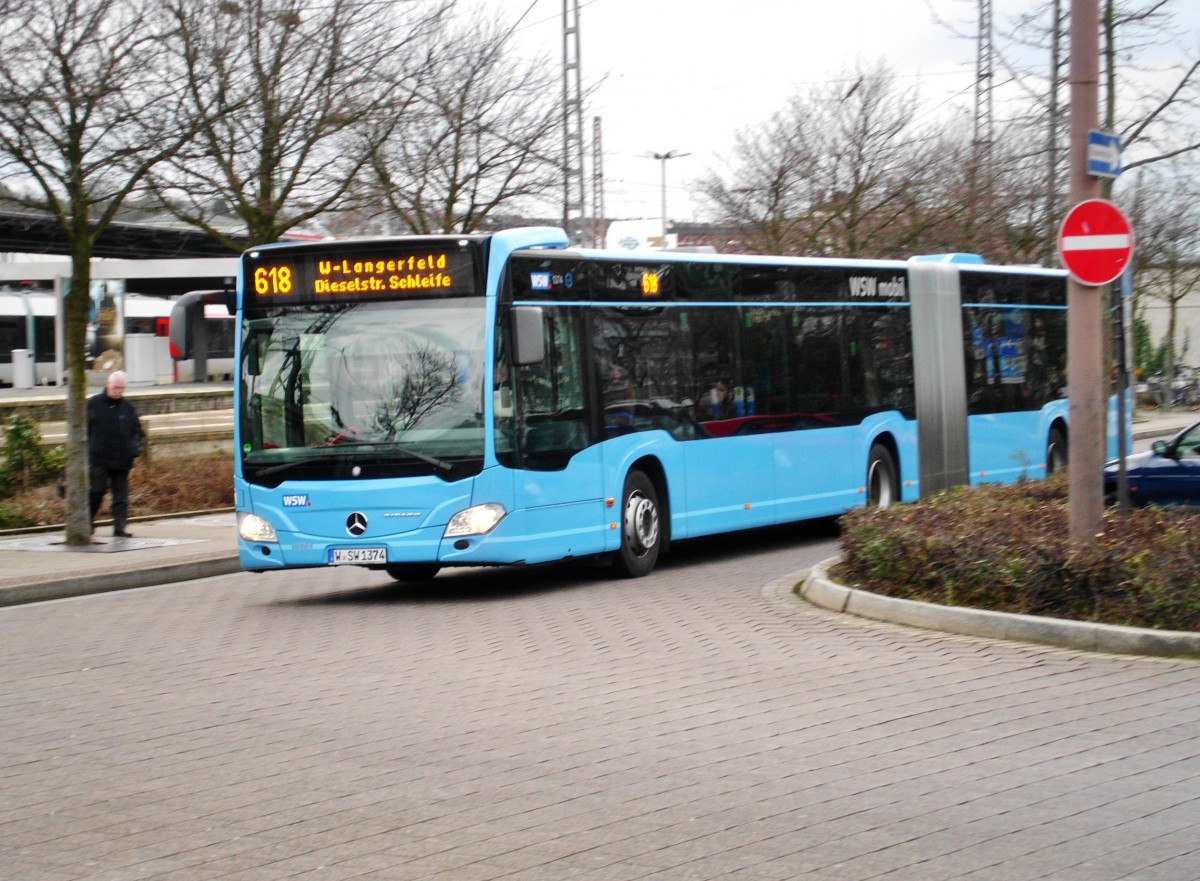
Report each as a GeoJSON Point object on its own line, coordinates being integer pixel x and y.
{"type": "Point", "coordinates": [100, 480]}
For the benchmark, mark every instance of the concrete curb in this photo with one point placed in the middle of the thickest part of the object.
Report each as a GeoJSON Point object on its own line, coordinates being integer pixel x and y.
{"type": "Point", "coordinates": [816, 587]}
{"type": "Point", "coordinates": [103, 521]}
{"type": "Point", "coordinates": [89, 584]}
{"type": "Point", "coordinates": [1143, 431]}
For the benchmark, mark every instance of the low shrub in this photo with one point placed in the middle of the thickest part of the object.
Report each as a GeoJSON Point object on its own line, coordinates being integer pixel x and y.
{"type": "Point", "coordinates": [26, 463]}
{"type": "Point", "coordinates": [1005, 548]}
{"type": "Point", "coordinates": [166, 485]}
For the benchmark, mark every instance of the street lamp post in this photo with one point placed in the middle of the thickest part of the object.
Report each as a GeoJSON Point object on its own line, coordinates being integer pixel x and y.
{"type": "Point", "coordinates": [663, 157]}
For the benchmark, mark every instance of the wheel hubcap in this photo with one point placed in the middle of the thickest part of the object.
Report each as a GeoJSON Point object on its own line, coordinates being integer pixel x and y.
{"type": "Point", "coordinates": [1056, 460]}
{"type": "Point", "coordinates": [641, 523]}
{"type": "Point", "coordinates": [880, 487]}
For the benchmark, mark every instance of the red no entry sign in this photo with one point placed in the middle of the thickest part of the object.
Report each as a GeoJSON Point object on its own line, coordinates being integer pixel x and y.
{"type": "Point", "coordinates": [1095, 242]}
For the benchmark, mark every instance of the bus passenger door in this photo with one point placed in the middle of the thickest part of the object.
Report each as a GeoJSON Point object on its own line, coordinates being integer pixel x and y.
{"type": "Point", "coordinates": [559, 478]}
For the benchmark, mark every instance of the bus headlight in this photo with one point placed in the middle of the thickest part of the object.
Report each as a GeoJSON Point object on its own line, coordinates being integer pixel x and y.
{"type": "Point", "coordinates": [478, 520]}
{"type": "Point", "coordinates": [251, 527]}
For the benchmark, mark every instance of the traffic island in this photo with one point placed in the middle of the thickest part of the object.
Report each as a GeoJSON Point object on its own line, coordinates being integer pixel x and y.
{"type": "Point", "coordinates": [818, 589]}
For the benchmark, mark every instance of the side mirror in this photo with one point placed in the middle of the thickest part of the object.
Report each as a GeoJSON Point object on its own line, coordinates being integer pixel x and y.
{"type": "Point", "coordinates": [529, 343]}
{"type": "Point", "coordinates": [183, 313]}
{"type": "Point", "coordinates": [250, 347]}
{"type": "Point", "coordinates": [1159, 447]}
{"type": "Point", "coordinates": [187, 319]}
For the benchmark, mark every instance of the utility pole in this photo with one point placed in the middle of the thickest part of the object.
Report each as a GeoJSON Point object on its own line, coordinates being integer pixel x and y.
{"type": "Point", "coordinates": [1053, 129]}
{"type": "Point", "coordinates": [597, 185]}
{"type": "Point", "coordinates": [984, 80]}
{"type": "Point", "coordinates": [1086, 330]}
{"type": "Point", "coordinates": [573, 197]}
{"type": "Point", "coordinates": [981, 152]}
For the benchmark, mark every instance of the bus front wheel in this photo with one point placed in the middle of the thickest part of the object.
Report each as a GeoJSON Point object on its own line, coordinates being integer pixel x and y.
{"type": "Point", "coordinates": [641, 527]}
{"type": "Point", "coordinates": [412, 572]}
{"type": "Point", "coordinates": [883, 478]}
{"type": "Point", "coordinates": [1057, 456]}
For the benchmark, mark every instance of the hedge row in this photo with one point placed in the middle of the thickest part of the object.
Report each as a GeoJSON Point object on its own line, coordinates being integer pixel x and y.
{"type": "Point", "coordinates": [1005, 548]}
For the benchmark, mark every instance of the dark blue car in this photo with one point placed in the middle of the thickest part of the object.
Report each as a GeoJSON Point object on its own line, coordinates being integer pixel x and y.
{"type": "Point", "coordinates": [1168, 474]}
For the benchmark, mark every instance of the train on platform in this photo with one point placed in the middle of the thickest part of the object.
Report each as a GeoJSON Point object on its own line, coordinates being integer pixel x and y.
{"type": "Point", "coordinates": [31, 324]}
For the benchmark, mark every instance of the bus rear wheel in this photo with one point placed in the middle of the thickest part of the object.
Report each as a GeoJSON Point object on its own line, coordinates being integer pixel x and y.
{"type": "Point", "coordinates": [641, 527]}
{"type": "Point", "coordinates": [883, 478]}
{"type": "Point", "coordinates": [413, 572]}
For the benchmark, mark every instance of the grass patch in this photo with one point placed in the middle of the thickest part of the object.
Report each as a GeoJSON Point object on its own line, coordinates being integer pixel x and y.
{"type": "Point", "coordinates": [1005, 548]}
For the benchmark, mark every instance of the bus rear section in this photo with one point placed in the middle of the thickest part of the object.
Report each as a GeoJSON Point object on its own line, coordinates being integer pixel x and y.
{"type": "Point", "coordinates": [752, 391]}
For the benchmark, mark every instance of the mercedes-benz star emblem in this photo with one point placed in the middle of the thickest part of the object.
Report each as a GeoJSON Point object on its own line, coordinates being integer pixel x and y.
{"type": "Point", "coordinates": [356, 523]}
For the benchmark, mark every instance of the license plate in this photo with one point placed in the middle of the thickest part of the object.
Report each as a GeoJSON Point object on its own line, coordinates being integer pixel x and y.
{"type": "Point", "coordinates": [356, 556]}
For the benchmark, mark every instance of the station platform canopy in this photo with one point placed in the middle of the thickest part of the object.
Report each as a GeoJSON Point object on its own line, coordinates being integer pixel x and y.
{"type": "Point", "coordinates": [23, 232]}
{"type": "Point", "coordinates": [152, 257]}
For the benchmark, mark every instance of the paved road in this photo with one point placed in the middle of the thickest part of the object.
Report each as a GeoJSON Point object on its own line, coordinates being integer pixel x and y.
{"type": "Point", "coordinates": [554, 724]}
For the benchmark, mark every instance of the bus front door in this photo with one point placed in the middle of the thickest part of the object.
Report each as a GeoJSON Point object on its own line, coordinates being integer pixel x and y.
{"type": "Point", "coordinates": [559, 481]}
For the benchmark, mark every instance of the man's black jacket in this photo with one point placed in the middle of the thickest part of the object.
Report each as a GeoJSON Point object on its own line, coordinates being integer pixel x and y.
{"type": "Point", "coordinates": [114, 432]}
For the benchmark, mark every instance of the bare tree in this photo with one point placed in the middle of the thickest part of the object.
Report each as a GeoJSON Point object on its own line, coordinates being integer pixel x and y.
{"type": "Point", "coordinates": [301, 92]}
{"type": "Point", "coordinates": [1149, 103]}
{"type": "Point", "coordinates": [1158, 123]}
{"type": "Point", "coordinates": [767, 195]}
{"type": "Point", "coordinates": [88, 106]}
{"type": "Point", "coordinates": [1011, 227]}
{"type": "Point", "coordinates": [842, 170]}
{"type": "Point", "coordinates": [1167, 259]}
{"type": "Point", "coordinates": [479, 138]}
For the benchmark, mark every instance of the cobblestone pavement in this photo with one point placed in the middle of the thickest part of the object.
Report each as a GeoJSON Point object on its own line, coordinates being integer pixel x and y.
{"type": "Point", "coordinates": [555, 724]}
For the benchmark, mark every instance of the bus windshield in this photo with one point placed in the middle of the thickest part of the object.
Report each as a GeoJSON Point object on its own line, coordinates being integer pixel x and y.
{"type": "Point", "coordinates": [388, 388]}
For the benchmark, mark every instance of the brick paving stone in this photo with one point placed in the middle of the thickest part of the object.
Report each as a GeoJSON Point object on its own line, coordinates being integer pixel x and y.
{"type": "Point", "coordinates": [554, 723]}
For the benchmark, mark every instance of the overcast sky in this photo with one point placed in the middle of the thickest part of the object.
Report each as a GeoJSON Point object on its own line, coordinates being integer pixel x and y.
{"type": "Point", "coordinates": [686, 74]}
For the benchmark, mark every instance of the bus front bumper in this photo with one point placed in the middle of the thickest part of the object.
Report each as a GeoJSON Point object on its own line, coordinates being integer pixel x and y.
{"type": "Point", "coordinates": [505, 544]}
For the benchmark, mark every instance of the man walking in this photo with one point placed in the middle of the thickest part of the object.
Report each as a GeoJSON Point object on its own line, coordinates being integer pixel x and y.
{"type": "Point", "coordinates": [114, 439]}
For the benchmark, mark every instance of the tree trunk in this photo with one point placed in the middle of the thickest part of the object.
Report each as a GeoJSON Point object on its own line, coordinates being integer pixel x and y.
{"type": "Point", "coordinates": [78, 519]}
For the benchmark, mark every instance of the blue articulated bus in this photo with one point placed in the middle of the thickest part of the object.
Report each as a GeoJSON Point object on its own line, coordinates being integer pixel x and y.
{"type": "Point", "coordinates": [422, 402]}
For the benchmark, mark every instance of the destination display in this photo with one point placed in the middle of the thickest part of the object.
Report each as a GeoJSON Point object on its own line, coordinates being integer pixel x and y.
{"type": "Point", "coordinates": [308, 275]}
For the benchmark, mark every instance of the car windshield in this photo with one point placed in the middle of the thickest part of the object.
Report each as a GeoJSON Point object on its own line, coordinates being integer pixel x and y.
{"type": "Point", "coordinates": [396, 386]}
{"type": "Point", "coordinates": [1188, 446]}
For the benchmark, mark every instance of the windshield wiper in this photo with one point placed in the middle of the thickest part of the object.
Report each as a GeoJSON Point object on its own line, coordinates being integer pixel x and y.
{"type": "Point", "coordinates": [308, 460]}
{"type": "Point", "coordinates": [392, 445]}
{"type": "Point", "coordinates": [284, 466]}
